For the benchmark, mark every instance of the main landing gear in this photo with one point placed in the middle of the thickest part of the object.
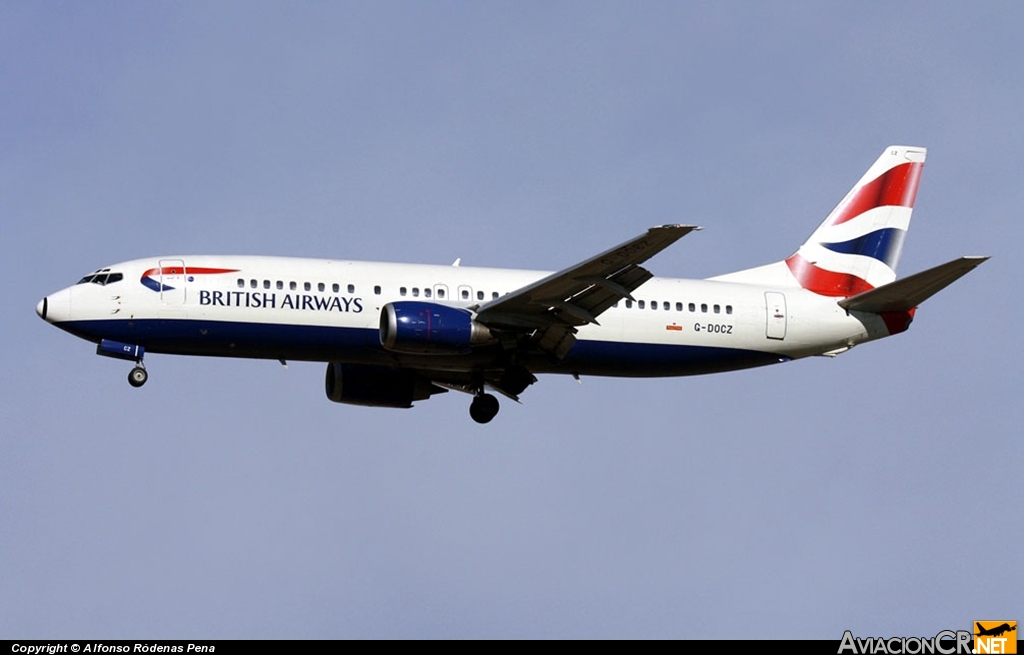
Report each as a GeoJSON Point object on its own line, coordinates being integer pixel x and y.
{"type": "Point", "coordinates": [484, 407]}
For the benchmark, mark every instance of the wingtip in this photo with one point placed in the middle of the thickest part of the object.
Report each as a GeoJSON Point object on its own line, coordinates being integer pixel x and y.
{"type": "Point", "coordinates": [678, 226]}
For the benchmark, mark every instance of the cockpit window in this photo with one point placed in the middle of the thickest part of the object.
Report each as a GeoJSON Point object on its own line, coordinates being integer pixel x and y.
{"type": "Point", "coordinates": [102, 278]}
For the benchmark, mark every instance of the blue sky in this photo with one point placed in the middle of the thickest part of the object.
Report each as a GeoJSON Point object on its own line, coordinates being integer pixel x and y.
{"type": "Point", "coordinates": [878, 492]}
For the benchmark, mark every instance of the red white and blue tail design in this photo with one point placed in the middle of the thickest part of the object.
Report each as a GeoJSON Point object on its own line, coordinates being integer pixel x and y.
{"type": "Point", "coordinates": [859, 245]}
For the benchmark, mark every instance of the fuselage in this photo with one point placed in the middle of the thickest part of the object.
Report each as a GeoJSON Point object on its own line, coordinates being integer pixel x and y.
{"type": "Point", "coordinates": [329, 310]}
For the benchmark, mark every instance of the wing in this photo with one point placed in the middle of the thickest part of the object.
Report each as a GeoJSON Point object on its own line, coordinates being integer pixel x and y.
{"type": "Point", "coordinates": [553, 308]}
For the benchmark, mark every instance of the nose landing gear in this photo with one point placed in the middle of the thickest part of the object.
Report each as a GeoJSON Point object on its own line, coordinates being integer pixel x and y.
{"type": "Point", "coordinates": [138, 375]}
{"type": "Point", "coordinates": [130, 352]}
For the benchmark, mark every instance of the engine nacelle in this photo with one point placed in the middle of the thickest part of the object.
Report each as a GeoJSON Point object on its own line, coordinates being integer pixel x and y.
{"type": "Point", "coordinates": [428, 328]}
{"type": "Point", "coordinates": [376, 386]}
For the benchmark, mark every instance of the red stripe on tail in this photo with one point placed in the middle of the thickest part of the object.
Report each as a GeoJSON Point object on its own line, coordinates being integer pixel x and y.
{"type": "Point", "coordinates": [895, 187]}
{"type": "Point", "coordinates": [825, 283]}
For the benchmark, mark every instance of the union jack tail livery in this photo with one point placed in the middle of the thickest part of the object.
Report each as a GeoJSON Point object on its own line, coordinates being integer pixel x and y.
{"type": "Point", "coordinates": [859, 245]}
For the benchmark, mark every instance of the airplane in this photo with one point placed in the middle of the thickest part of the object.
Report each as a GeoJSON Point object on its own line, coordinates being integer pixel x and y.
{"type": "Point", "coordinates": [394, 334]}
{"type": "Point", "coordinates": [996, 631]}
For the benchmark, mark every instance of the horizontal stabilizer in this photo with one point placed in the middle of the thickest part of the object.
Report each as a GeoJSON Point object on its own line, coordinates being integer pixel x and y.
{"type": "Point", "coordinates": [909, 292]}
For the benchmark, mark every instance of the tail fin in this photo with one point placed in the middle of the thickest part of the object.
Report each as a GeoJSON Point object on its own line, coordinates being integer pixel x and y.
{"type": "Point", "coordinates": [859, 245]}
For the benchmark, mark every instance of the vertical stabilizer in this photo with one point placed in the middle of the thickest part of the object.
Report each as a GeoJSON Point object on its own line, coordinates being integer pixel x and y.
{"type": "Point", "coordinates": [859, 245]}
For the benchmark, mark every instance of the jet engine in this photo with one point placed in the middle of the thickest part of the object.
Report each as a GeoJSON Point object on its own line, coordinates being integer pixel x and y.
{"type": "Point", "coordinates": [376, 386]}
{"type": "Point", "coordinates": [431, 329]}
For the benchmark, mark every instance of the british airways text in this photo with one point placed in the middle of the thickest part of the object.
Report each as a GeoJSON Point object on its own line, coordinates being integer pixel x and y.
{"type": "Point", "coordinates": [259, 299]}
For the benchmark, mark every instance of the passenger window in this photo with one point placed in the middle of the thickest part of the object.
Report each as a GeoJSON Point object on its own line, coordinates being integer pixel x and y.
{"type": "Point", "coordinates": [320, 287]}
{"type": "Point", "coordinates": [253, 283]}
{"type": "Point", "coordinates": [718, 309]}
{"type": "Point", "coordinates": [351, 288]}
{"type": "Point", "coordinates": [241, 283]}
{"type": "Point", "coordinates": [666, 306]}
{"type": "Point", "coordinates": [280, 284]}
{"type": "Point", "coordinates": [494, 295]}
{"type": "Point", "coordinates": [415, 292]}
{"type": "Point", "coordinates": [335, 287]}
{"type": "Point", "coordinates": [728, 309]}
{"type": "Point", "coordinates": [266, 284]}
{"type": "Point", "coordinates": [704, 307]}
{"type": "Point", "coordinates": [693, 307]}
{"type": "Point", "coordinates": [679, 306]}
{"type": "Point", "coordinates": [376, 290]}
{"type": "Point", "coordinates": [307, 286]}
{"type": "Point", "coordinates": [402, 291]}
{"type": "Point", "coordinates": [426, 293]}
{"type": "Point", "coordinates": [293, 285]}
{"type": "Point", "coordinates": [640, 304]}
{"type": "Point", "coordinates": [440, 293]}
{"type": "Point", "coordinates": [654, 304]}
{"type": "Point", "coordinates": [479, 295]}
{"type": "Point", "coordinates": [465, 294]}
{"type": "Point", "coordinates": [629, 304]}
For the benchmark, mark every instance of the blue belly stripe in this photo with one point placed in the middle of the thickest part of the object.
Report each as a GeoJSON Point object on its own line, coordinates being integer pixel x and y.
{"type": "Point", "coordinates": [358, 345]}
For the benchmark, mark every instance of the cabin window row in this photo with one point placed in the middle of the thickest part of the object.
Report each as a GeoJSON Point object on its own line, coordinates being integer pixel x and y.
{"type": "Point", "coordinates": [679, 307]}
{"type": "Point", "coordinates": [415, 292]}
{"type": "Point", "coordinates": [440, 291]}
{"type": "Point", "coordinates": [294, 286]}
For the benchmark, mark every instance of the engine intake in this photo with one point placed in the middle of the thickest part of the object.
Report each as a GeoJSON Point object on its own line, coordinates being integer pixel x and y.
{"type": "Point", "coordinates": [429, 328]}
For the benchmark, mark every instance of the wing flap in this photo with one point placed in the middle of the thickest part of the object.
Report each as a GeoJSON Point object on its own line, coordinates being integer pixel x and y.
{"type": "Point", "coordinates": [608, 291]}
{"type": "Point", "coordinates": [909, 292]}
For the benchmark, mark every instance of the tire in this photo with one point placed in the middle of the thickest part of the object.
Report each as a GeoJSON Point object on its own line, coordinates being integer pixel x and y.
{"type": "Point", "coordinates": [137, 377]}
{"type": "Point", "coordinates": [484, 408]}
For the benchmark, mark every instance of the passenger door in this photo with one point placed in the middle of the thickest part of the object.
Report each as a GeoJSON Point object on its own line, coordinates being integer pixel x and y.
{"type": "Point", "coordinates": [172, 281]}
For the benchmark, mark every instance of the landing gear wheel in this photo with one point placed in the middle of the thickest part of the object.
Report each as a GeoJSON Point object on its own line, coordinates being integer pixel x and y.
{"type": "Point", "coordinates": [137, 376]}
{"type": "Point", "coordinates": [484, 408]}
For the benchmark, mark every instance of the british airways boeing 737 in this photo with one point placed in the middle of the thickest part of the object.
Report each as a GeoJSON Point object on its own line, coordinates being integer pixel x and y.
{"type": "Point", "coordinates": [393, 334]}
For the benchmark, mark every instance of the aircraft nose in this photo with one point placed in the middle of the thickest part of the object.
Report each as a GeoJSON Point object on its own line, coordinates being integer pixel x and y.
{"type": "Point", "coordinates": [55, 307]}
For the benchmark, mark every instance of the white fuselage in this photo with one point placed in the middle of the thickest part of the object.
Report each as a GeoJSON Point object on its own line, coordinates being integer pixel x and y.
{"type": "Point", "coordinates": [329, 310]}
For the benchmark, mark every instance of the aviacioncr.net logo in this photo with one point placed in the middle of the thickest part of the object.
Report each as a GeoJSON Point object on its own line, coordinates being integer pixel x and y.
{"type": "Point", "coordinates": [946, 642]}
